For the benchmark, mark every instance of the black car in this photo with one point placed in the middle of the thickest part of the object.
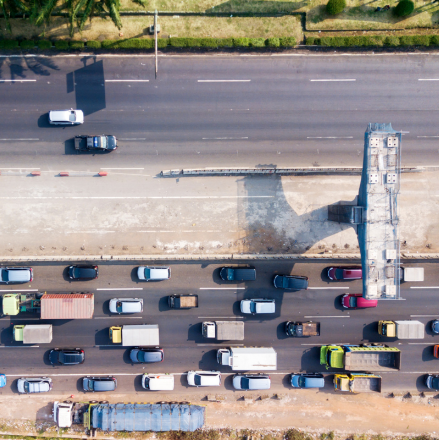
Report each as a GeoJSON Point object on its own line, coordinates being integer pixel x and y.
{"type": "Point", "coordinates": [290, 282]}
{"type": "Point", "coordinates": [238, 273]}
{"type": "Point", "coordinates": [432, 381]}
{"type": "Point", "coordinates": [140, 355]}
{"type": "Point", "coordinates": [66, 356]}
{"type": "Point", "coordinates": [435, 326]}
{"type": "Point", "coordinates": [83, 273]}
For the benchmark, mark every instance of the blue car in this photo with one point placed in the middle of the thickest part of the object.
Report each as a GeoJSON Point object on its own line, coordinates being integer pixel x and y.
{"type": "Point", "coordinates": [2, 380]}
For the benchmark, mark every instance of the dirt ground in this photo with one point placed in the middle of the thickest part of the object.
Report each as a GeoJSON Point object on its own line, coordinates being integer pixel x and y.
{"type": "Point", "coordinates": [313, 412]}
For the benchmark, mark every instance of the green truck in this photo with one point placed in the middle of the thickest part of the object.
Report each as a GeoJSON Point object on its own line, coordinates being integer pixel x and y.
{"type": "Point", "coordinates": [361, 357]}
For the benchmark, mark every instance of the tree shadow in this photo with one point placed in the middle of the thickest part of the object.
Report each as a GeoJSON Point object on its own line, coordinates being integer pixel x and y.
{"type": "Point", "coordinates": [256, 6]}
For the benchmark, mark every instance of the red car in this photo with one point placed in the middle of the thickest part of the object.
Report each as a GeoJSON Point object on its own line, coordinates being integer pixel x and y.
{"type": "Point", "coordinates": [345, 273]}
{"type": "Point", "coordinates": [356, 301]}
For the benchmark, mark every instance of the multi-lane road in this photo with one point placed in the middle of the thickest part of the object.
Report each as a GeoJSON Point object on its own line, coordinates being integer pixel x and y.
{"type": "Point", "coordinates": [180, 330]}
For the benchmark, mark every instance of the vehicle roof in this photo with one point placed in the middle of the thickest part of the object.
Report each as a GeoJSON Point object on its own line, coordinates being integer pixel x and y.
{"type": "Point", "coordinates": [131, 306]}
{"type": "Point", "coordinates": [363, 302]}
{"type": "Point", "coordinates": [64, 115]}
{"type": "Point", "coordinates": [18, 273]}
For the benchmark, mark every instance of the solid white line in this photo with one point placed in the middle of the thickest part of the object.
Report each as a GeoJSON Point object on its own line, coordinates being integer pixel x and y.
{"type": "Point", "coordinates": [427, 136]}
{"type": "Point", "coordinates": [420, 343]}
{"type": "Point", "coordinates": [332, 80]}
{"type": "Point", "coordinates": [139, 197]}
{"type": "Point", "coordinates": [19, 346]}
{"type": "Point", "coordinates": [19, 139]}
{"type": "Point", "coordinates": [334, 316]}
{"type": "Point", "coordinates": [222, 80]}
{"type": "Point", "coordinates": [19, 290]}
{"type": "Point", "coordinates": [222, 138]}
{"type": "Point", "coordinates": [132, 139]}
{"type": "Point", "coordinates": [222, 288]}
{"type": "Point", "coordinates": [425, 287]}
{"type": "Point", "coordinates": [121, 168]}
{"type": "Point", "coordinates": [428, 79]}
{"type": "Point", "coordinates": [116, 316]}
{"type": "Point", "coordinates": [423, 316]}
{"type": "Point", "coordinates": [329, 137]}
{"type": "Point", "coordinates": [17, 80]}
{"type": "Point", "coordinates": [218, 345]}
{"type": "Point", "coordinates": [327, 288]}
{"type": "Point", "coordinates": [220, 317]}
{"type": "Point", "coordinates": [19, 168]}
{"type": "Point", "coordinates": [127, 80]}
{"type": "Point", "coordinates": [121, 288]}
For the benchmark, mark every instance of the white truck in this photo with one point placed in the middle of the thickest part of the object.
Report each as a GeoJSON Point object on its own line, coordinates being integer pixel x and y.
{"type": "Point", "coordinates": [135, 335]}
{"type": "Point", "coordinates": [224, 330]}
{"type": "Point", "coordinates": [411, 274]}
{"type": "Point", "coordinates": [248, 358]}
{"type": "Point", "coordinates": [63, 414]}
{"type": "Point", "coordinates": [402, 329]}
{"type": "Point", "coordinates": [33, 334]}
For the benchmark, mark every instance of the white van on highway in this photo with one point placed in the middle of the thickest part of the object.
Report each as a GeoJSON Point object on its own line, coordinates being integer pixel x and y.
{"type": "Point", "coordinates": [158, 382]}
{"type": "Point", "coordinates": [66, 117]}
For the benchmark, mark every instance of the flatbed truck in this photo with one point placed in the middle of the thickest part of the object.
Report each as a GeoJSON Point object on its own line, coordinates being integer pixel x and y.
{"type": "Point", "coordinates": [223, 330]}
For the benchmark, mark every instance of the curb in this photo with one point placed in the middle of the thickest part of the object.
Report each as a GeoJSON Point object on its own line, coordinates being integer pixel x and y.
{"type": "Point", "coordinates": [219, 257]}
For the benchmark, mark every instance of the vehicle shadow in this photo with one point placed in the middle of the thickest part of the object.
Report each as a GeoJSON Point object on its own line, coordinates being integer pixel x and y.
{"type": "Point", "coordinates": [427, 354]}
{"type": "Point", "coordinates": [208, 362]}
{"type": "Point", "coordinates": [337, 303]}
{"type": "Point", "coordinates": [69, 147]}
{"type": "Point", "coordinates": [102, 338]}
{"type": "Point", "coordinates": [280, 331]}
{"type": "Point", "coordinates": [195, 334]}
{"type": "Point", "coordinates": [370, 334]}
{"type": "Point", "coordinates": [163, 304]}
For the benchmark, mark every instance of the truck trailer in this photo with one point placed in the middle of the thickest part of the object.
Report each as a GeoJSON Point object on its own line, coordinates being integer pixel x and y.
{"type": "Point", "coordinates": [402, 329]}
{"type": "Point", "coordinates": [224, 330]}
{"type": "Point", "coordinates": [248, 358]}
{"type": "Point", "coordinates": [360, 357]}
{"type": "Point", "coordinates": [50, 306]}
{"type": "Point", "coordinates": [357, 383]}
{"type": "Point", "coordinates": [33, 334]}
{"type": "Point", "coordinates": [135, 335]}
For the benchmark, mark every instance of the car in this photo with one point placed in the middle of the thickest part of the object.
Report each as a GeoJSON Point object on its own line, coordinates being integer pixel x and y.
{"type": "Point", "coordinates": [238, 273]}
{"type": "Point", "coordinates": [356, 301]}
{"type": "Point", "coordinates": [66, 117]}
{"type": "Point", "coordinates": [338, 273]}
{"type": "Point", "coordinates": [290, 282]}
{"type": "Point", "coordinates": [142, 355]}
{"type": "Point", "coordinates": [31, 385]}
{"type": "Point", "coordinates": [83, 273]}
{"type": "Point", "coordinates": [16, 275]}
{"type": "Point", "coordinates": [435, 326]}
{"type": "Point", "coordinates": [149, 273]}
{"type": "Point", "coordinates": [307, 380]}
{"type": "Point", "coordinates": [2, 380]}
{"type": "Point", "coordinates": [436, 351]}
{"type": "Point", "coordinates": [432, 381]}
{"type": "Point", "coordinates": [126, 305]}
{"type": "Point", "coordinates": [66, 356]}
{"type": "Point", "coordinates": [204, 378]}
{"type": "Point", "coordinates": [251, 382]}
{"type": "Point", "coordinates": [258, 306]}
{"type": "Point", "coordinates": [99, 384]}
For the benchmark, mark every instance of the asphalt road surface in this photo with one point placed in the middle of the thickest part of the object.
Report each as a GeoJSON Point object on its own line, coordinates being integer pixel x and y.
{"type": "Point", "coordinates": [180, 330]}
{"type": "Point", "coordinates": [217, 111]}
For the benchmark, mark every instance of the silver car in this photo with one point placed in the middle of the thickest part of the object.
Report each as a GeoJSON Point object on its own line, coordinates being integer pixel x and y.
{"type": "Point", "coordinates": [251, 382]}
{"type": "Point", "coordinates": [149, 273]}
{"type": "Point", "coordinates": [28, 385]}
{"type": "Point", "coordinates": [66, 117]}
{"type": "Point", "coordinates": [126, 305]}
{"type": "Point", "coordinates": [16, 275]}
{"type": "Point", "coordinates": [258, 305]}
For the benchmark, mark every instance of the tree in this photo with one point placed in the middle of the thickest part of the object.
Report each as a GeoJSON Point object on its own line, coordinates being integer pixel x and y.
{"type": "Point", "coordinates": [334, 7]}
{"type": "Point", "coordinates": [404, 8]}
{"type": "Point", "coordinates": [12, 7]}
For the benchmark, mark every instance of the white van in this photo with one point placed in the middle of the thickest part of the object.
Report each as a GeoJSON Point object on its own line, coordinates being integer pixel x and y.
{"type": "Point", "coordinates": [66, 117]}
{"type": "Point", "coordinates": [149, 273]}
{"type": "Point", "coordinates": [158, 382]}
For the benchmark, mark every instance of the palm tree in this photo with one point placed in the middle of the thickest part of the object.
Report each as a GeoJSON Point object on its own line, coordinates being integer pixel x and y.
{"type": "Point", "coordinates": [12, 7]}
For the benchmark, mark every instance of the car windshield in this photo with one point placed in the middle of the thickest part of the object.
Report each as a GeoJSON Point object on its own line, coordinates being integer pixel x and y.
{"type": "Point", "coordinates": [352, 301]}
{"type": "Point", "coordinates": [4, 275]}
{"type": "Point", "coordinates": [339, 274]}
{"type": "Point", "coordinates": [91, 385]}
{"type": "Point", "coordinates": [245, 383]}
{"type": "Point", "coordinates": [230, 274]}
{"type": "Point", "coordinates": [197, 379]}
{"type": "Point", "coordinates": [26, 387]}
{"type": "Point", "coordinates": [301, 381]}
{"type": "Point", "coordinates": [146, 272]}
{"type": "Point", "coordinates": [252, 307]}
{"type": "Point", "coordinates": [435, 383]}
{"type": "Point", "coordinates": [119, 306]}
{"type": "Point", "coordinates": [72, 117]}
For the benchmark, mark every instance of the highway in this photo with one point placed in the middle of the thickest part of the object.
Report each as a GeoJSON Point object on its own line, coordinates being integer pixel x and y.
{"type": "Point", "coordinates": [180, 330]}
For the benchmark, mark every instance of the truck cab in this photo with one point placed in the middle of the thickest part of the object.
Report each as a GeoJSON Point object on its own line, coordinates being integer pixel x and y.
{"type": "Point", "coordinates": [63, 414]}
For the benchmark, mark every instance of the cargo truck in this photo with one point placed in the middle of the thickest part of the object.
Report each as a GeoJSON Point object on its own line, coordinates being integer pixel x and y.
{"type": "Point", "coordinates": [33, 334]}
{"type": "Point", "coordinates": [186, 301]}
{"type": "Point", "coordinates": [248, 358]}
{"type": "Point", "coordinates": [301, 329]}
{"type": "Point", "coordinates": [357, 383]}
{"type": "Point", "coordinates": [411, 274]}
{"type": "Point", "coordinates": [224, 330]}
{"type": "Point", "coordinates": [401, 329]}
{"type": "Point", "coordinates": [50, 306]}
{"type": "Point", "coordinates": [361, 357]}
{"type": "Point", "coordinates": [135, 335]}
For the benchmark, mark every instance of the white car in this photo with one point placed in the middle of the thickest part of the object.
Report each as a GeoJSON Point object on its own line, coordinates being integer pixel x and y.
{"type": "Point", "coordinates": [126, 305]}
{"type": "Point", "coordinates": [66, 117]}
{"type": "Point", "coordinates": [258, 305]}
{"type": "Point", "coordinates": [30, 385]}
{"type": "Point", "coordinates": [149, 273]}
{"type": "Point", "coordinates": [204, 378]}
{"type": "Point", "coordinates": [16, 275]}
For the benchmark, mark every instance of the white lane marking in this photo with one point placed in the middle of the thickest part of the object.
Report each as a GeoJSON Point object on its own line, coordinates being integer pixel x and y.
{"type": "Point", "coordinates": [121, 168]}
{"type": "Point", "coordinates": [17, 80]}
{"type": "Point", "coordinates": [121, 288]}
{"type": "Point", "coordinates": [90, 232]}
{"type": "Point", "coordinates": [19, 319]}
{"type": "Point", "coordinates": [225, 138]}
{"type": "Point", "coordinates": [190, 231]}
{"type": "Point", "coordinates": [19, 139]}
{"type": "Point", "coordinates": [425, 287]}
{"type": "Point", "coordinates": [428, 79]}
{"type": "Point", "coordinates": [332, 80]}
{"type": "Point", "coordinates": [329, 137]}
{"type": "Point", "coordinates": [427, 136]}
{"type": "Point", "coordinates": [126, 80]}
{"type": "Point", "coordinates": [220, 317]}
{"type": "Point", "coordinates": [115, 316]}
{"type": "Point", "coordinates": [222, 288]}
{"type": "Point", "coordinates": [222, 80]}
{"type": "Point", "coordinates": [327, 288]}
{"type": "Point", "coordinates": [420, 343]}
{"type": "Point", "coordinates": [19, 290]}
{"type": "Point", "coordinates": [423, 316]}
{"type": "Point", "coordinates": [132, 139]}
{"type": "Point", "coordinates": [139, 197]}
{"type": "Point", "coordinates": [227, 344]}
{"type": "Point", "coordinates": [334, 316]}
{"type": "Point", "coordinates": [19, 346]}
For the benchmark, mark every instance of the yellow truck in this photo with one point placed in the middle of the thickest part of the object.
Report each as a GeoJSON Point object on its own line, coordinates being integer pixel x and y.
{"type": "Point", "coordinates": [135, 335]}
{"type": "Point", "coordinates": [401, 329]}
{"type": "Point", "coordinates": [357, 383]}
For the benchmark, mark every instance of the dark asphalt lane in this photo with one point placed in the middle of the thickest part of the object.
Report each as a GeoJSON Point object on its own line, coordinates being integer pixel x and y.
{"type": "Point", "coordinates": [280, 111]}
{"type": "Point", "coordinates": [180, 331]}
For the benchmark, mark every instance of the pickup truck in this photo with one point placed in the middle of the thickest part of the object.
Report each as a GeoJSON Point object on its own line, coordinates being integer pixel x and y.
{"type": "Point", "coordinates": [95, 143]}
{"type": "Point", "coordinates": [185, 301]}
{"type": "Point", "coordinates": [301, 329]}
